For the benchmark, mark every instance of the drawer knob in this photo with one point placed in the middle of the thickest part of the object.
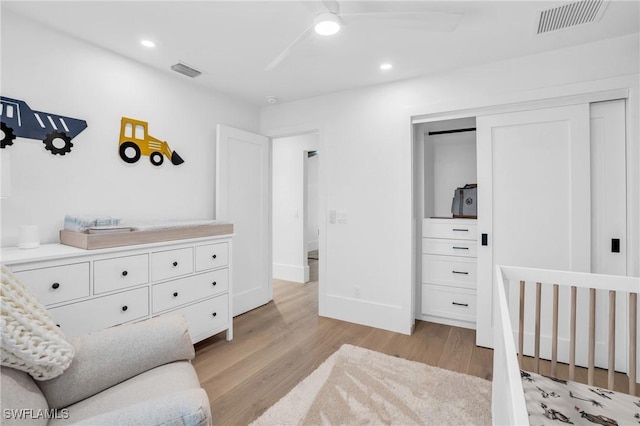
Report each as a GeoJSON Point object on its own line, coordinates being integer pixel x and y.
{"type": "Point", "coordinates": [214, 256]}
{"type": "Point", "coordinates": [214, 283]}
{"type": "Point", "coordinates": [175, 294]}
{"type": "Point", "coordinates": [55, 286]}
{"type": "Point", "coordinates": [125, 273]}
{"type": "Point", "coordinates": [58, 325]}
{"type": "Point", "coordinates": [175, 264]}
{"type": "Point", "coordinates": [124, 308]}
{"type": "Point", "coordinates": [460, 304]}
{"type": "Point", "coordinates": [215, 313]}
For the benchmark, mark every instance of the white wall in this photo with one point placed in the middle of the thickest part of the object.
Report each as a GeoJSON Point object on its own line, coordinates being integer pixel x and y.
{"type": "Point", "coordinates": [289, 247]}
{"type": "Point", "coordinates": [366, 170]}
{"type": "Point", "coordinates": [58, 74]}
{"type": "Point", "coordinates": [313, 202]}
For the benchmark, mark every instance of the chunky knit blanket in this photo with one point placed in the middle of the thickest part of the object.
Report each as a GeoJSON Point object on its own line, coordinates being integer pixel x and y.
{"type": "Point", "coordinates": [31, 341]}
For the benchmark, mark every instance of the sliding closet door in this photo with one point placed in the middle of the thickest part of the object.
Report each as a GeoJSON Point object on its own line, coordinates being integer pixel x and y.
{"type": "Point", "coordinates": [609, 219]}
{"type": "Point", "coordinates": [534, 196]}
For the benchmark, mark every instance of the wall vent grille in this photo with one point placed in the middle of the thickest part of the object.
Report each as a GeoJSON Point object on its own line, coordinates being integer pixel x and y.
{"type": "Point", "coordinates": [569, 15]}
{"type": "Point", "coordinates": [186, 70]}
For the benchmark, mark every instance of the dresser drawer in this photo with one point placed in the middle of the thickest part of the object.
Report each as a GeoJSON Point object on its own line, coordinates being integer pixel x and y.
{"type": "Point", "coordinates": [90, 315]}
{"type": "Point", "coordinates": [448, 270]}
{"type": "Point", "coordinates": [175, 293]}
{"type": "Point", "coordinates": [120, 272]}
{"type": "Point", "coordinates": [212, 256]}
{"type": "Point", "coordinates": [57, 284]}
{"type": "Point", "coordinates": [171, 263]}
{"type": "Point", "coordinates": [447, 247]}
{"type": "Point", "coordinates": [207, 317]}
{"type": "Point", "coordinates": [449, 302]}
{"type": "Point", "coordinates": [457, 229]}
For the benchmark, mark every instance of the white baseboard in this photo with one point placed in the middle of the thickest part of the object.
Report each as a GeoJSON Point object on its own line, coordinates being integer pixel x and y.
{"type": "Point", "coordinates": [297, 274]}
{"type": "Point", "coordinates": [372, 314]}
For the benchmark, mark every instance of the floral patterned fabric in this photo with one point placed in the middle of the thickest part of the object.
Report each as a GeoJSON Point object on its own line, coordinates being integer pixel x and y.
{"type": "Point", "coordinates": [553, 402]}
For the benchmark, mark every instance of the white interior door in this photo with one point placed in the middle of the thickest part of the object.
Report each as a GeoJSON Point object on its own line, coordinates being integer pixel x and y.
{"type": "Point", "coordinates": [243, 194]}
{"type": "Point", "coordinates": [534, 196]}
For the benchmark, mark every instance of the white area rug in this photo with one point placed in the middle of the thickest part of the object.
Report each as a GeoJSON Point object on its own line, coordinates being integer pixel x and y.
{"type": "Point", "coordinates": [359, 386]}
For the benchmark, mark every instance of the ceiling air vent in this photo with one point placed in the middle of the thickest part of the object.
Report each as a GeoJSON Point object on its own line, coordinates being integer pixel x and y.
{"type": "Point", "coordinates": [570, 15]}
{"type": "Point", "coordinates": [185, 69]}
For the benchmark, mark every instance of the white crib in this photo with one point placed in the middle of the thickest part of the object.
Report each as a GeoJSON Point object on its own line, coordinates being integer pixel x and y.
{"type": "Point", "coordinates": [559, 310]}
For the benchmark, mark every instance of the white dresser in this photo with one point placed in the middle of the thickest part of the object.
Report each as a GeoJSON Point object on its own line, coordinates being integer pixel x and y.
{"type": "Point", "coordinates": [87, 290]}
{"type": "Point", "coordinates": [449, 271]}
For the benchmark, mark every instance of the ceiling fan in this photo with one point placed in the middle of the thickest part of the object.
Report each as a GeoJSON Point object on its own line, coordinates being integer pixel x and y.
{"type": "Point", "coordinates": [330, 22]}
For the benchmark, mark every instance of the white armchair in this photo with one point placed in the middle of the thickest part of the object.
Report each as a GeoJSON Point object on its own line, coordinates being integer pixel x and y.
{"type": "Point", "coordinates": [133, 374]}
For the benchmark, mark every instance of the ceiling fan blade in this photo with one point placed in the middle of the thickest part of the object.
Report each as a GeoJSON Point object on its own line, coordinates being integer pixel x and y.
{"type": "Point", "coordinates": [288, 49]}
{"type": "Point", "coordinates": [332, 6]}
{"type": "Point", "coordinates": [433, 21]}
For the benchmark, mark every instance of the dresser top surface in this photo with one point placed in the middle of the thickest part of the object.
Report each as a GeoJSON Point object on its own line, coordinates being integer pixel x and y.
{"type": "Point", "coordinates": [15, 255]}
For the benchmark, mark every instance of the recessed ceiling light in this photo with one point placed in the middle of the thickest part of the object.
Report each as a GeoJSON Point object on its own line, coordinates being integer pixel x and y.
{"type": "Point", "coordinates": [386, 66]}
{"type": "Point", "coordinates": [147, 43]}
{"type": "Point", "coordinates": [326, 24]}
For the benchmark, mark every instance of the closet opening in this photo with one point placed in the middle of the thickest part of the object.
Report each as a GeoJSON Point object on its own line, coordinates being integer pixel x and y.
{"type": "Point", "coordinates": [445, 200]}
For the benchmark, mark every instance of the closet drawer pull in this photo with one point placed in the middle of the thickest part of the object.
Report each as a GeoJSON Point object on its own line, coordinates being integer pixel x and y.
{"type": "Point", "coordinates": [214, 256]}
{"type": "Point", "coordinates": [460, 248]}
{"type": "Point", "coordinates": [460, 272]}
{"type": "Point", "coordinates": [214, 283]}
{"type": "Point", "coordinates": [460, 230]}
{"type": "Point", "coordinates": [214, 314]}
{"type": "Point", "coordinates": [125, 273]}
{"type": "Point", "coordinates": [175, 294]}
{"type": "Point", "coordinates": [460, 304]}
{"type": "Point", "coordinates": [175, 264]}
{"type": "Point", "coordinates": [55, 286]}
{"type": "Point", "coordinates": [124, 308]}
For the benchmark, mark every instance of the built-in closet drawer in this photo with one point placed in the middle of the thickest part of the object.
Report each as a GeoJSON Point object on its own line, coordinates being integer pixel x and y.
{"type": "Point", "coordinates": [171, 263]}
{"type": "Point", "coordinates": [448, 302]}
{"type": "Point", "coordinates": [448, 247]}
{"type": "Point", "coordinates": [206, 317]}
{"type": "Point", "coordinates": [179, 292]}
{"type": "Point", "coordinates": [57, 284]}
{"type": "Point", "coordinates": [457, 229]}
{"type": "Point", "coordinates": [212, 256]}
{"type": "Point", "coordinates": [102, 312]}
{"type": "Point", "coordinates": [449, 270]}
{"type": "Point", "coordinates": [120, 272]}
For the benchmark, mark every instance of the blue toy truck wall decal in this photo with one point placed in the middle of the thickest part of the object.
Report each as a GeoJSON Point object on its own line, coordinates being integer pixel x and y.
{"type": "Point", "coordinates": [17, 119]}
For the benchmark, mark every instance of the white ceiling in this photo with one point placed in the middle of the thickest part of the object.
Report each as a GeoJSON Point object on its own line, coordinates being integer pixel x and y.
{"type": "Point", "coordinates": [232, 42]}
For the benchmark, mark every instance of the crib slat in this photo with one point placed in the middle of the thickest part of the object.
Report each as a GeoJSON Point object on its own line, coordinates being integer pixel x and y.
{"type": "Point", "coordinates": [612, 339]}
{"type": "Point", "coordinates": [572, 335]}
{"type": "Point", "coordinates": [554, 340]}
{"type": "Point", "coordinates": [521, 326]}
{"type": "Point", "coordinates": [633, 349]}
{"type": "Point", "coordinates": [536, 363]}
{"type": "Point", "coordinates": [592, 336]}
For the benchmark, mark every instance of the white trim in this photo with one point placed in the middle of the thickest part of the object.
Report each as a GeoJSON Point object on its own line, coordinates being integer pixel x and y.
{"type": "Point", "coordinates": [585, 98]}
{"type": "Point", "coordinates": [293, 273]}
{"type": "Point", "coordinates": [370, 314]}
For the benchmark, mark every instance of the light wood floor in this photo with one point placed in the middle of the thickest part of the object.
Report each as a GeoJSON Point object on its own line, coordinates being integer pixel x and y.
{"type": "Point", "coordinates": [279, 344]}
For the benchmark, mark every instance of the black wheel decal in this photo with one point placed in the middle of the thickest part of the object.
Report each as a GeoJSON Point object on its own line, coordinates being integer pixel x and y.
{"type": "Point", "coordinates": [123, 152]}
{"type": "Point", "coordinates": [51, 137]}
{"type": "Point", "coordinates": [156, 158]}
{"type": "Point", "coordinates": [8, 137]}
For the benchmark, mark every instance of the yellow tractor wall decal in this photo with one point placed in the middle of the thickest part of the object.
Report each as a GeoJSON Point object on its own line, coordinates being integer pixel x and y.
{"type": "Point", "coordinates": [135, 141]}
